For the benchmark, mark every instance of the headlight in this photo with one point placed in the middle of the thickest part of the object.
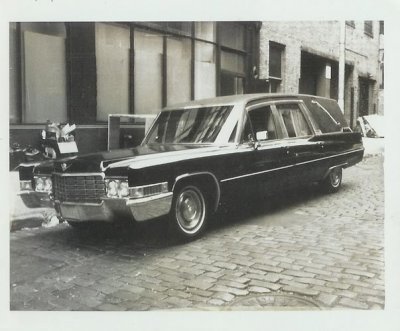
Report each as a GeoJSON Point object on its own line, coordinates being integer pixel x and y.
{"type": "Point", "coordinates": [117, 188]}
{"type": "Point", "coordinates": [43, 184]}
{"type": "Point", "coordinates": [148, 190]}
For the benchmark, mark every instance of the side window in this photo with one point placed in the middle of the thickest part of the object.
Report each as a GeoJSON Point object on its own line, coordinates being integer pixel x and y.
{"type": "Point", "coordinates": [247, 132]}
{"type": "Point", "coordinates": [233, 134]}
{"type": "Point", "coordinates": [262, 120]}
{"type": "Point", "coordinates": [293, 120]}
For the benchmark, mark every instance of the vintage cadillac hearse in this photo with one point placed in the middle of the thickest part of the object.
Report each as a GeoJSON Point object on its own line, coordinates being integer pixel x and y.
{"type": "Point", "coordinates": [195, 156]}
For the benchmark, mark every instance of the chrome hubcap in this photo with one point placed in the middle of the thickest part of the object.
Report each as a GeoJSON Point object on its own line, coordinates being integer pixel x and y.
{"type": "Point", "coordinates": [190, 210]}
{"type": "Point", "coordinates": [335, 177]}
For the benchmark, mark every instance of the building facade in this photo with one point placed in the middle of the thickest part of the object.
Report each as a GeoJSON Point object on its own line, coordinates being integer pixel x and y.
{"type": "Point", "coordinates": [81, 72]}
{"type": "Point", "coordinates": [303, 57]}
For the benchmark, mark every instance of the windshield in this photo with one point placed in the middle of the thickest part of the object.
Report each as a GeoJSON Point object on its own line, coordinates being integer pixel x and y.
{"type": "Point", "coordinates": [194, 125]}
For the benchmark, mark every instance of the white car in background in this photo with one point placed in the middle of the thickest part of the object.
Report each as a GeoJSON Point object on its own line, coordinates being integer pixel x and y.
{"type": "Point", "coordinates": [372, 127]}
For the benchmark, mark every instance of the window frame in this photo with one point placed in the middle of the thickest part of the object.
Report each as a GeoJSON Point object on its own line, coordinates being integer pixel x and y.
{"type": "Point", "coordinates": [280, 48]}
{"type": "Point", "coordinates": [274, 120]}
{"type": "Point", "coordinates": [369, 28]}
{"type": "Point", "coordinates": [303, 111]}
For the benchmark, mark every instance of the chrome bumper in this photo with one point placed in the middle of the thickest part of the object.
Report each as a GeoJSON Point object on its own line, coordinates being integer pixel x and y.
{"type": "Point", "coordinates": [33, 199]}
{"type": "Point", "coordinates": [108, 210]}
{"type": "Point", "coordinates": [150, 207]}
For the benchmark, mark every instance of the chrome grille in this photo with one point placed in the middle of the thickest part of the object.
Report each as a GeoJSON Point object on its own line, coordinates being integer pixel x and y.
{"type": "Point", "coordinates": [79, 188]}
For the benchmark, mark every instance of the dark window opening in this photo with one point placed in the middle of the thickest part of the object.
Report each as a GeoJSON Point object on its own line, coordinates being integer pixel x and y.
{"type": "Point", "coordinates": [368, 28]}
{"type": "Point", "coordinates": [262, 120]}
{"type": "Point", "coordinates": [381, 27]}
{"type": "Point", "coordinates": [275, 59]}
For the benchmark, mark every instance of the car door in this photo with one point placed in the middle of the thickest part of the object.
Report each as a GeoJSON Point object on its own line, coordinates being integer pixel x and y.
{"type": "Point", "coordinates": [269, 156]}
{"type": "Point", "coordinates": [301, 152]}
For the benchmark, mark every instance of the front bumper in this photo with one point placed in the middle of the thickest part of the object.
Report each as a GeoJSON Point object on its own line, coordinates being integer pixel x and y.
{"type": "Point", "coordinates": [108, 210]}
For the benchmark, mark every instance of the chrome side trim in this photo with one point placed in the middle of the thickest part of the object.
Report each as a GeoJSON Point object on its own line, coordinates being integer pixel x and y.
{"type": "Point", "coordinates": [197, 174]}
{"type": "Point", "coordinates": [289, 166]}
{"type": "Point", "coordinates": [150, 207]}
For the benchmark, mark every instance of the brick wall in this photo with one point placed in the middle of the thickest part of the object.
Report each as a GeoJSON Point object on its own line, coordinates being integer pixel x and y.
{"type": "Point", "coordinates": [322, 38]}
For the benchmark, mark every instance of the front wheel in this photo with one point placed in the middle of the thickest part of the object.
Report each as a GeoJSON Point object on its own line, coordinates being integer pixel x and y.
{"type": "Point", "coordinates": [333, 181]}
{"type": "Point", "coordinates": [189, 212]}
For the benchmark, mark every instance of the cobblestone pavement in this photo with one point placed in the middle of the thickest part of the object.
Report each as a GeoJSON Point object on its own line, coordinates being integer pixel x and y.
{"type": "Point", "coordinates": [308, 251]}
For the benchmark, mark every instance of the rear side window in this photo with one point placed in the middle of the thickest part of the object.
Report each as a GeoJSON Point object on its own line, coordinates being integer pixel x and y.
{"type": "Point", "coordinates": [293, 120]}
{"type": "Point", "coordinates": [262, 120]}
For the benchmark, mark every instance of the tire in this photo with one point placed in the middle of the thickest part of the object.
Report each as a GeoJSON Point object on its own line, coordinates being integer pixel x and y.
{"type": "Point", "coordinates": [189, 212]}
{"type": "Point", "coordinates": [333, 181]}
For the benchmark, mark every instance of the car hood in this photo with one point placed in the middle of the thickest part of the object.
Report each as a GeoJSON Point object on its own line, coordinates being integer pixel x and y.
{"type": "Point", "coordinates": [138, 157]}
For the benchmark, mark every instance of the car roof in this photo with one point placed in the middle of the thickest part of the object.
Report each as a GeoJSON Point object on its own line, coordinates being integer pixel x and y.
{"type": "Point", "coordinates": [238, 99]}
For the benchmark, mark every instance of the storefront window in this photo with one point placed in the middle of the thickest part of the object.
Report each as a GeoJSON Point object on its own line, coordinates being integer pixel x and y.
{"type": "Point", "coordinates": [232, 35]}
{"type": "Point", "coordinates": [44, 72]}
{"type": "Point", "coordinates": [205, 71]}
{"type": "Point", "coordinates": [180, 27]}
{"type": "Point", "coordinates": [148, 72]}
{"type": "Point", "coordinates": [205, 31]}
{"type": "Point", "coordinates": [178, 70]}
{"type": "Point", "coordinates": [14, 113]}
{"type": "Point", "coordinates": [232, 62]}
{"type": "Point", "coordinates": [112, 63]}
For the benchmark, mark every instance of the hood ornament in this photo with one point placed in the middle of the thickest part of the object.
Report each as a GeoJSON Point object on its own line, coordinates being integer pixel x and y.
{"type": "Point", "coordinates": [64, 166]}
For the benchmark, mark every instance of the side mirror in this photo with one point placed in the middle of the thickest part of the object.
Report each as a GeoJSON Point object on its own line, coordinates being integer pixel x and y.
{"type": "Point", "coordinates": [262, 135]}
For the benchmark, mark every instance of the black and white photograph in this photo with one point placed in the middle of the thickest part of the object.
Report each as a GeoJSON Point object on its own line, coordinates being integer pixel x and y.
{"type": "Point", "coordinates": [183, 165]}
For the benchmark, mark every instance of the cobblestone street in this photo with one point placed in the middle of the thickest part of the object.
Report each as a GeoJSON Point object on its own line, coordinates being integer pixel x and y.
{"type": "Point", "coordinates": [307, 251]}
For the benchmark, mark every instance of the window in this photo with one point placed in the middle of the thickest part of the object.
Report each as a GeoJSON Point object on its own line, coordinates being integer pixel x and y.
{"type": "Point", "coordinates": [381, 27]}
{"type": "Point", "coordinates": [44, 91]}
{"type": "Point", "coordinates": [195, 125]}
{"type": "Point", "coordinates": [275, 65]}
{"type": "Point", "coordinates": [205, 70]}
{"type": "Point", "coordinates": [14, 75]}
{"type": "Point", "coordinates": [112, 63]}
{"type": "Point", "coordinates": [351, 24]}
{"type": "Point", "coordinates": [293, 120]}
{"type": "Point", "coordinates": [205, 31]}
{"type": "Point", "coordinates": [148, 72]}
{"type": "Point", "coordinates": [232, 35]}
{"type": "Point", "coordinates": [368, 28]}
{"type": "Point", "coordinates": [262, 120]}
{"type": "Point", "coordinates": [179, 55]}
{"type": "Point", "coordinates": [247, 134]}
{"type": "Point", "coordinates": [232, 73]}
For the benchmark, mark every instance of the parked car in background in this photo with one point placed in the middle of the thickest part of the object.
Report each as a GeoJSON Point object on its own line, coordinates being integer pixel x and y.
{"type": "Point", "coordinates": [372, 129]}
{"type": "Point", "coordinates": [371, 126]}
{"type": "Point", "coordinates": [198, 155]}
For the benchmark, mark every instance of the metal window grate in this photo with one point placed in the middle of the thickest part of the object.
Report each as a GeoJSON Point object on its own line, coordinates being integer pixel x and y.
{"type": "Point", "coordinates": [80, 188]}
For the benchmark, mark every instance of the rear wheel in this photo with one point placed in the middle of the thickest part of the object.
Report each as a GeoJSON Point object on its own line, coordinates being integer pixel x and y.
{"type": "Point", "coordinates": [333, 181]}
{"type": "Point", "coordinates": [189, 212]}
